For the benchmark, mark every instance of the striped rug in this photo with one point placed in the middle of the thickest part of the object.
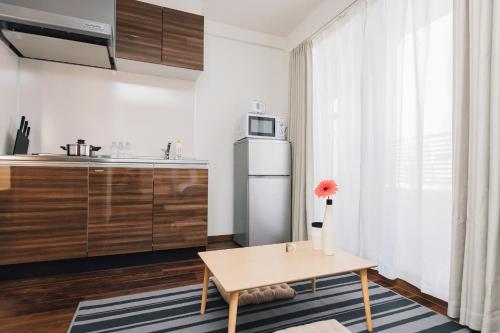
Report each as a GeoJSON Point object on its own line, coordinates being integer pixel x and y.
{"type": "Point", "coordinates": [177, 310]}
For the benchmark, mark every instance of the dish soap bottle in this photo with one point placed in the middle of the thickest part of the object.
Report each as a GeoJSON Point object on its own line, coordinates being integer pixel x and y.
{"type": "Point", "coordinates": [178, 150]}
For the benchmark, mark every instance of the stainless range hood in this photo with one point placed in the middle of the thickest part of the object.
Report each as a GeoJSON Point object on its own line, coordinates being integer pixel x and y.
{"type": "Point", "coordinates": [60, 30]}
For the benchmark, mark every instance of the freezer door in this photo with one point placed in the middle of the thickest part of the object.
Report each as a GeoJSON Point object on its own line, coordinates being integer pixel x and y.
{"type": "Point", "coordinates": [269, 200]}
{"type": "Point", "coordinates": [268, 157]}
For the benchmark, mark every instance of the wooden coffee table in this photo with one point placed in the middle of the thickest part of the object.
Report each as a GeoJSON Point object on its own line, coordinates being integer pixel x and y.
{"type": "Point", "coordinates": [258, 266]}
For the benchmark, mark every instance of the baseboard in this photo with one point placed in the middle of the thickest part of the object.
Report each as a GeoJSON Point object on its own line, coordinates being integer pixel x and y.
{"type": "Point", "coordinates": [373, 274]}
{"type": "Point", "coordinates": [220, 238]}
{"type": "Point", "coordinates": [68, 266]}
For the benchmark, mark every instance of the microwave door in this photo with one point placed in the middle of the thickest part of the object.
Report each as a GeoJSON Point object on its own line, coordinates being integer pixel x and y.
{"type": "Point", "coordinates": [262, 126]}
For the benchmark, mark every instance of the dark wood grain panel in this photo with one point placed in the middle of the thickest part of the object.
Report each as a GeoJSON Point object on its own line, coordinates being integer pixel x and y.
{"type": "Point", "coordinates": [180, 208]}
{"type": "Point", "coordinates": [183, 38]}
{"type": "Point", "coordinates": [138, 31]}
{"type": "Point", "coordinates": [43, 213]}
{"type": "Point", "coordinates": [120, 210]}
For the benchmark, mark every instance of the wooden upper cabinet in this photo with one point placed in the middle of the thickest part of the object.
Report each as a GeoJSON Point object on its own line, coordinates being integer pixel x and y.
{"type": "Point", "coordinates": [138, 31]}
{"type": "Point", "coordinates": [180, 208]}
{"type": "Point", "coordinates": [183, 37]}
{"type": "Point", "coordinates": [120, 210]}
{"type": "Point", "coordinates": [43, 212]}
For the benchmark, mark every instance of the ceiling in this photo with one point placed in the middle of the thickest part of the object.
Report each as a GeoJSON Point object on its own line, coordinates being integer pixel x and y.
{"type": "Point", "coordinates": [276, 17]}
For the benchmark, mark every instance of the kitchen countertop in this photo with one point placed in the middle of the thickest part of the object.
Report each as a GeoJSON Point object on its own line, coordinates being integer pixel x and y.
{"type": "Point", "coordinates": [100, 159]}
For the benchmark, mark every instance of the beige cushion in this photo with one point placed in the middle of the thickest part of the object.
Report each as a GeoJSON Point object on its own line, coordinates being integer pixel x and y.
{"type": "Point", "coordinates": [258, 295]}
{"type": "Point", "coordinates": [325, 326]}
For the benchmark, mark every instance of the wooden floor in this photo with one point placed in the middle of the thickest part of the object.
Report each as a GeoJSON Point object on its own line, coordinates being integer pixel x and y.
{"type": "Point", "coordinates": [404, 288]}
{"type": "Point", "coordinates": [47, 304]}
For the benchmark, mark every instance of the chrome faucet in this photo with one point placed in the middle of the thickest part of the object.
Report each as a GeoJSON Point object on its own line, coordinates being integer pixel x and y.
{"type": "Point", "coordinates": [166, 151]}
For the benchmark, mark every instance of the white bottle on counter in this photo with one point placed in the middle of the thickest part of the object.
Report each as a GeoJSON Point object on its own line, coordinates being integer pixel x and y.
{"type": "Point", "coordinates": [178, 150]}
{"type": "Point", "coordinates": [114, 149]}
{"type": "Point", "coordinates": [128, 150]}
{"type": "Point", "coordinates": [121, 149]}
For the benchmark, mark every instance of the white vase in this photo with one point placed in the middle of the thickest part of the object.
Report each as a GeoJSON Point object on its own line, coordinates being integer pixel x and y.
{"type": "Point", "coordinates": [328, 230]}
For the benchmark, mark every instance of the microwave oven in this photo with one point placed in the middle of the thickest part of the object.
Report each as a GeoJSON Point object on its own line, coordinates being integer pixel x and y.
{"type": "Point", "coordinates": [262, 126]}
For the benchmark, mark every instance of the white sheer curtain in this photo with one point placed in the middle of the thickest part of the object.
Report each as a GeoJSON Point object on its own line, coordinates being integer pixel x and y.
{"type": "Point", "coordinates": [382, 119]}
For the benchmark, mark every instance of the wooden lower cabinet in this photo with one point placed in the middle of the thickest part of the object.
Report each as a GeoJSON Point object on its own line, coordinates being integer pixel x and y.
{"type": "Point", "coordinates": [180, 208]}
{"type": "Point", "coordinates": [120, 210]}
{"type": "Point", "coordinates": [43, 212]}
{"type": "Point", "coordinates": [70, 210]}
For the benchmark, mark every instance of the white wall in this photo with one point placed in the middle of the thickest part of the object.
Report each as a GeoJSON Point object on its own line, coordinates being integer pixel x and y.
{"type": "Point", "coordinates": [235, 73]}
{"type": "Point", "coordinates": [67, 102]}
{"type": "Point", "coordinates": [326, 11]}
{"type": "Point", "coordinates": [9, 115]}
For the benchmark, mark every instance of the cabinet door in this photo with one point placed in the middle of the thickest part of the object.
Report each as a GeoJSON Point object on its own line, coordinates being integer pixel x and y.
{"type": "Point", "coordinates": [120, 210]}
{"type": "Point", "coordinates": [43, 213]}
{"type": "Point", "coordinates": [138, 31]}
{"type": "Point", "coordinates": [180, 208]}
{"type": "Point", "coordinates": [182, 39]}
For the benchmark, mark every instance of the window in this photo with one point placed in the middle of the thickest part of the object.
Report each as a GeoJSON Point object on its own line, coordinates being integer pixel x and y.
{"type": "Point", "coordinates": [382, 122]}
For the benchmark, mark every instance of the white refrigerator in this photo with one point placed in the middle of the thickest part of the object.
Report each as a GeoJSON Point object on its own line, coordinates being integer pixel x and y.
{"type": "Point", "coordinates": [262, 192]}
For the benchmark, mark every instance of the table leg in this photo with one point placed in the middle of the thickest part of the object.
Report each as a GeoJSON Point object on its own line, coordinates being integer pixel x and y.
{"type": "Point", "coordinates": [313, 285]}
{"type": "Point", "coordinates": [366, 298]}
{"type": "Point", "coordinates": [233, 309]}
{"type": "Point", "coordinates": [206, 276]}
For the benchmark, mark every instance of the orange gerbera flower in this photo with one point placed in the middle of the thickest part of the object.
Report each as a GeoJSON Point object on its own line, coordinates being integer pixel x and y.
{"type": "Point", "coordinates": [326, 188]}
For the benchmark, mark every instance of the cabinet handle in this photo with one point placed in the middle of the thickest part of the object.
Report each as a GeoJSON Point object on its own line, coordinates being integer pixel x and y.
{"type": "Point", "coordinates": [132, 36]}
{"type": "Point", "coordinates": [99, 170]}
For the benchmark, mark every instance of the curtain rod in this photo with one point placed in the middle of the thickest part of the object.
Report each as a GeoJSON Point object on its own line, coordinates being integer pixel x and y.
{"type": "Point", "coordinates": [332, 20]}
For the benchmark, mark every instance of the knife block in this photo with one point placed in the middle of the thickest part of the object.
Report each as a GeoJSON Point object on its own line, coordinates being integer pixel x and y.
{"type": "Point", "coordinates": [21, 144]}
